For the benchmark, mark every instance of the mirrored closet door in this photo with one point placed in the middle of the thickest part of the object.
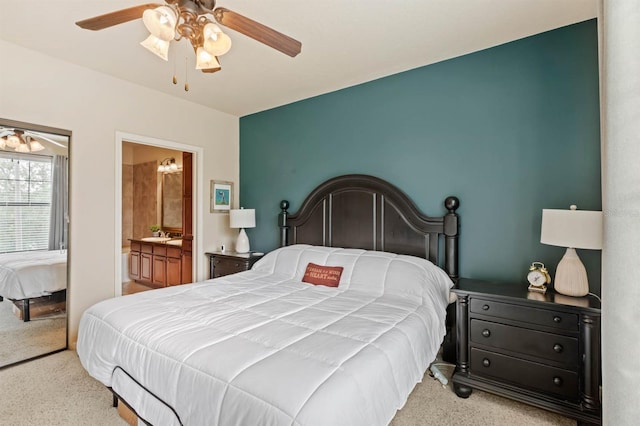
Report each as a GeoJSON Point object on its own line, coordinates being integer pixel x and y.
{"type": "Point", "coordinates": [34, 240]}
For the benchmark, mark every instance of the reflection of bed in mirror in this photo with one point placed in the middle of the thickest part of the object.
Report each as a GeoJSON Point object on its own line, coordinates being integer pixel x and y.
{"type": "Point", "coordinates": [33, 276]}
{"type": "Point", "coordinates": [34, 230]}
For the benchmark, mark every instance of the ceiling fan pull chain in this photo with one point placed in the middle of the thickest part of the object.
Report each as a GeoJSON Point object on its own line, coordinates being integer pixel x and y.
{"type": "Point", "coordinates": [186, 75]}
{"type": "Point", "coordinates": [175, 78]}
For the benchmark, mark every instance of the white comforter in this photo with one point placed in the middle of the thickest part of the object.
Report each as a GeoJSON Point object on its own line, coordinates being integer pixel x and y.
{"type": "Point", "coordinates": [28, 274]}
{"type": "Point", "coordinates": [263, 348]}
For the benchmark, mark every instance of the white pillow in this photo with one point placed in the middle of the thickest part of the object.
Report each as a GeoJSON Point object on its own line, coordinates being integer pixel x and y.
{"type": "Point", "coordinates": [373, 272]}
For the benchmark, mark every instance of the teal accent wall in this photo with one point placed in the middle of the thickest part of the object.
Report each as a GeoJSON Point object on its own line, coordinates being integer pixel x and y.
{"type": "Point", "coordinates": [509, 130]}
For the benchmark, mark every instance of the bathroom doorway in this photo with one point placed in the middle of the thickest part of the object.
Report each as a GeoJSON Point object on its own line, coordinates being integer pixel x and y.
{"type": "Point", "coordinates": [156, 201]}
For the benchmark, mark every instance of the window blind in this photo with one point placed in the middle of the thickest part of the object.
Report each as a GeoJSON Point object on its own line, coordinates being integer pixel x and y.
{"type": "Point", "coordinates": [25, 201]}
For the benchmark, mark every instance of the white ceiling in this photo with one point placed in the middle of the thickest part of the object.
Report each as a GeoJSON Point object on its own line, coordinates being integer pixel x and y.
{"type": "Point", "coordinates": [343, 42]}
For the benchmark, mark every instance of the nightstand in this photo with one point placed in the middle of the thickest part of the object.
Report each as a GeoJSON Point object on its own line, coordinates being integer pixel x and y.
{"type": "Point", "coordinates": [228, 262]}
{"type": "Point", "coordinates": [540, 349]}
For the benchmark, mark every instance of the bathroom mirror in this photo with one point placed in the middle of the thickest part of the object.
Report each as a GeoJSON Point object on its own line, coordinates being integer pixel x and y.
{"type": "Point", "coordinates": [34, 240]}
{"type": "Point", "coordinates": [172, 202]}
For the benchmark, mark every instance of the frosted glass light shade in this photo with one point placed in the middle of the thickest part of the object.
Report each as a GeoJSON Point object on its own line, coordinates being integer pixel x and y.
{"type": "Point", "coordinates": [23, 147]}
{"type": "Point", "coordinates": [35, 146]}
{"type": "Point", "coordinates": [157, 46]}
{"type": "Point", "coordinates": [215, 41]}
{"type": "Point", "coordinates": [205, 61]}
{"type": "Point", "coordinates": [242, 218]}
{"type": "Point", "coordinates": [161, 22]}
{"type": "Point", "coordinates": [13, 141]}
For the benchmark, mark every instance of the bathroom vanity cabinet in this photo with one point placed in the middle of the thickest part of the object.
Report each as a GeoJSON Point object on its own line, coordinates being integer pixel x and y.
{"type": "Point", "coordinates": [158, 264]}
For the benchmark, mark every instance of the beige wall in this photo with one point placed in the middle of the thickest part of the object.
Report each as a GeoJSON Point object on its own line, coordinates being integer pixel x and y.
{"type": "Point", "coordinates": [40, 89]}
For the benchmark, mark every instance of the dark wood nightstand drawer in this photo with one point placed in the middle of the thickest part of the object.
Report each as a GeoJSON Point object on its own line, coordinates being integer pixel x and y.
{"type": "Point", "coordinates": [538, 377]}
{"type": "Point", "coordinates": [228, 266]}
{"type": "Point", "coordinates": [532, 343]}
{"type": "Point", "coordinates": [544, 317]}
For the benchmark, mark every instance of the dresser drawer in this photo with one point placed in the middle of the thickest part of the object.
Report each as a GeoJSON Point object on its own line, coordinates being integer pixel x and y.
{"type": "Point", "coordinates": [562, 349]}
{"type": "Point", "coordinates": [525, 374]}
{"type": "Point", "coordinates": [545, 317]}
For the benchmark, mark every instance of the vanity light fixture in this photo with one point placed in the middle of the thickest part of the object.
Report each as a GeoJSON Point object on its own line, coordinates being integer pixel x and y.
{"type": "Point", "coordinates": [168, 165]}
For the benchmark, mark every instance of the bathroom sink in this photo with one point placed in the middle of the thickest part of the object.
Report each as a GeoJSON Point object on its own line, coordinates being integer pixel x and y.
{"type": "Point", "coordinates": [175, 242]}
{"type": "Point", "coordinates": [156, 239]}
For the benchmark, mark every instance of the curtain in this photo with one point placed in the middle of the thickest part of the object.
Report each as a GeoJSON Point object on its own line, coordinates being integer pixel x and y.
{"type": "Point", "coordinates": [58, 226]}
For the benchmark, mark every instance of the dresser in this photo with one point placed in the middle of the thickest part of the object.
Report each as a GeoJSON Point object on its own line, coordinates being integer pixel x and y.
{"type": "Point", "coordinates": [226, 263]}
{"type": "Point", "coordinates": [540, 349]}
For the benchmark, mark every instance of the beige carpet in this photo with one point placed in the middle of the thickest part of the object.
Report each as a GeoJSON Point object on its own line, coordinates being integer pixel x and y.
{"type": "Point", "coordinates": [56, 390]}
{"type": "Point", "coordinates": [22, 340]}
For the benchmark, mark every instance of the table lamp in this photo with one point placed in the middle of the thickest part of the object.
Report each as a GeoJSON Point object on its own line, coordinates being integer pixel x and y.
{"type": "Point", "coordinates": [242, 218]}
{"type": "Point", "coordinates": [573, 229]}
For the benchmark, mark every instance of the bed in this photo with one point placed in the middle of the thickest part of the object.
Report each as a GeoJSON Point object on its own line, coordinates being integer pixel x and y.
{"type": "Point", "coordinates": [266, 347]}
{"type": "Point", "coordinates": [32, 275]}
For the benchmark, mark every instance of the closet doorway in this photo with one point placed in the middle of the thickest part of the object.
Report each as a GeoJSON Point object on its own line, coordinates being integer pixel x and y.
{"type": "Point", "coordinates": [156, 201]}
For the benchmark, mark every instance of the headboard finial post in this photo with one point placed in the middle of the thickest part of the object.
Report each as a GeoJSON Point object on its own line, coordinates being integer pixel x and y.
{"type": "Point", "coordinates": [451, 227]}
{"type": "Point", "coordinates": [282, 223]}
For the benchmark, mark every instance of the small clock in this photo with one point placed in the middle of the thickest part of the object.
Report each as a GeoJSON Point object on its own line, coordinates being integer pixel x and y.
{"type": "Point", "coordinates": [538, 277]}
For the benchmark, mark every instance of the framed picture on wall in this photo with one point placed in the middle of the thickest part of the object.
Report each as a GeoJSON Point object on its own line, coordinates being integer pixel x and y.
{"type": "Point", "coordinates": [221, 196]}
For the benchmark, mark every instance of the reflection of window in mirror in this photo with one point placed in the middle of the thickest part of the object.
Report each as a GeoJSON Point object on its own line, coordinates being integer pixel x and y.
{"type": "Point", "coordinates": [34, 219]}
{"type": "Point", "coordinates": [172, 202]}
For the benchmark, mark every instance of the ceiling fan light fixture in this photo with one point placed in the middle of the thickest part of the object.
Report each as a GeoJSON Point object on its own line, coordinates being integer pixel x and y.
{"type": "Point", "coordinates": [161, 22]}
{"type": "Point", "coordinates": [205, 60]}
{"type": "Point", "coordinates": [215, 41]}
{"type": "Point", "coordinates": [157, 46]}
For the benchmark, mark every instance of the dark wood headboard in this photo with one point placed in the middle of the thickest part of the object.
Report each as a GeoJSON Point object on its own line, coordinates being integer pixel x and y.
{"type": "Point", "coordinates": [361, 211]}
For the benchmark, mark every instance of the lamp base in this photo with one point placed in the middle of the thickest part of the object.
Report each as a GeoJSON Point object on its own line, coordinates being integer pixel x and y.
{"type": "Point", "coordinates": [242, 243]}
{"type": "Point", "coordinates": [571, 276]}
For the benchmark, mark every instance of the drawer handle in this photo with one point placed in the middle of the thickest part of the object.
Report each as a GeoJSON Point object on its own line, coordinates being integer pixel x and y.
{"type": "Point", "coordinates": [237, 265]}
{"type": "Point", "coordinates": [485, 307]}
{"type": "Point", "coordinates": [558, 347]}
{"type": "Point", "coordinates": [557, 319]}
{"type": "Point", "coordinates": [486, 362]}
{"type": "Point", "coordinates": [557, 381]}
{"type": "Point", "coordinates": [486, 333]}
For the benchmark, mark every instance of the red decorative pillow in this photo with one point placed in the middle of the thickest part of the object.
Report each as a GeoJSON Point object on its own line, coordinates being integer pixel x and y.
{"type": "Point", "coordinates": [322, 275]}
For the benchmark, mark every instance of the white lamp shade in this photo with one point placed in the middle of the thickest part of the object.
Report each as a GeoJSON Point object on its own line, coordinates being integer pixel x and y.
{"type": "Point", "coordinates": [161, 22]}
{"type": "Point", "coordinates": [242, 218]}
{"type": "Point", "coordinates": [580, 229]}
{"type": "Point", "coordinates": [157, 46]}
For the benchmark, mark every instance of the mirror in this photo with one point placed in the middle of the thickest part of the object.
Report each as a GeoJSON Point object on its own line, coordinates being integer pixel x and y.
{"type": "Point", "coordinates": [34, 229]}
{"type": "Point", "coordinates": [172, 202]}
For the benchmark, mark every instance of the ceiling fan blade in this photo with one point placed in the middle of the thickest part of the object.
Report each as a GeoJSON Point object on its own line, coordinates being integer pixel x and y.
{"type": "Point", "coordinates": [37, 135]}
{"type": "Point", "coordinates": [114, 18]}
{"type": "Point", "coordinates": [257, 31]}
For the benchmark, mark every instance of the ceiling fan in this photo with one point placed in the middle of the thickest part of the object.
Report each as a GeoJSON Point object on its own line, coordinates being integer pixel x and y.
{"type": "Point", "coordinates": [192, 20]}
{"type": "Point", "coordinates": [24, 140]}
